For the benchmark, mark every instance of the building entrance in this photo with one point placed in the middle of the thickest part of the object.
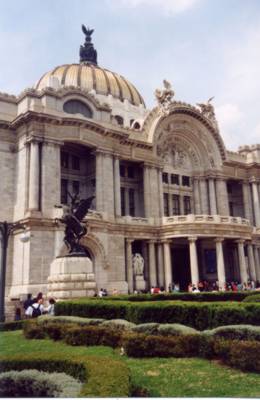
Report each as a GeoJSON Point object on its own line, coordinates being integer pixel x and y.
{"type": "Point", "coordinates": [181, 267]}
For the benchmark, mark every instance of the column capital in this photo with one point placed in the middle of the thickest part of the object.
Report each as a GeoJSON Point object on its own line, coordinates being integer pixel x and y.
{"type": "Point", "coordinates": [219, 240]}
{"type": "Point", "coordinates": [192, 239]}
{"type": "Point", "coordinates": [221, 178]}
{"type": "Point", "coordinates": [151, 241]}
{"type": "Point", "coordinates": [34, 139]}
{"type": "Point", "coordinates": [166, 241]}
{"type": "Point", "coordinates": [129, 240]}
{"type": "Point", "coordinates": [240, 241]}
{"type": "Point", "coordinates": [253, 179]}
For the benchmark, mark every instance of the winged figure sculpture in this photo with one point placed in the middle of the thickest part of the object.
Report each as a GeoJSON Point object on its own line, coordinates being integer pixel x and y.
{"type": "Point", "coordinates": [72, 217]}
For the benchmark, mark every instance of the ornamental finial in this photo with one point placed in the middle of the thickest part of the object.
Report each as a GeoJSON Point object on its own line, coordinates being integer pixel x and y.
{"type": "Point", "coordinates": [87, 52]}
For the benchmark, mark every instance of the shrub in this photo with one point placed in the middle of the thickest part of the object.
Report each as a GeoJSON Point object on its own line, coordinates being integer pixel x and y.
{"type": "Point", "coordinates": [149, 328]}
{"type": "Point", "coordinates": [141, 345]}
{"type": "Point", "coordinates": [46, 319]}
{"type": "Point", "coordinates": [101, 377]}
{"type": "Point", "coordinates": [12, 325]}
{"type": "Point", "coordinates": [235, 332]}
{"type": "Point", "coordinates": [92, 336]}
{"type": "Point", "coordinates": [255, 298]}
{"type": "Point", "coordinates": [33, 331]}
{"type": "Point", "coordinates": [55, 331]}
{"type": "Point", "coordinates": [120, 324]}
{"type": "Point", "coordinates": [245, 355]}
{"type": "Point", "coordinates": [33, 383]}
{"type": "Point", "coordinates": [175, 329]}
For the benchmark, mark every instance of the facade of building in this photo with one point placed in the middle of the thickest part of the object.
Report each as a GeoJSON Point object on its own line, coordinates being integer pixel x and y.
{"type": "Point", "coordinates": [165, 186]}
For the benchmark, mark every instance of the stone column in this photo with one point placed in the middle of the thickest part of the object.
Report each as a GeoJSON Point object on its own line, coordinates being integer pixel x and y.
{"type": "Point", "coordinates": [160, 265]}
{"type": "Point", "coordinates": [152, 263]}
{"type": "Point", "coordinates": [196, 194]}
{"type": "Point", "coordinates": [34, 176]}
{"type": "Point", "coordinates": [257, 262]}
{"type": "Point", "coordinates": [194, 269]}
{"type": "Point", "coordinates": [108, 184]}
{"type": "Point", "coordinates": [204, 196]}
{"type": "Point", "coordinates": [181, 204]}
{"type": "Point", "coordinates": [242, 261]}
{"type": "Point", "coordinates": [129, 265]}
{"type": "Point", "coordinates": [147, 199]}
{"type": "Point", "coordinates": [256, 203]}
{"type": "Point", "coordinates": [170, 204]}
{"type": "Point", "coordinates": [212, 197]}
{"type": "Point", "coordinates": [117, 192]}
{"type": "Point", "coordinates": [248, 212]}
{"type": "Point", "coordinates": [167, 264]}
{"type": "Point", "coordinates": [99, 181]}
{"type": "Point", "coordinates": [220, 263]}
{"type": "Point", "coordinates": [222, 196]}
{"type": "Point", "coordinates": [251, 261]}
{"type": "Point", "coordinates": [160, 186]}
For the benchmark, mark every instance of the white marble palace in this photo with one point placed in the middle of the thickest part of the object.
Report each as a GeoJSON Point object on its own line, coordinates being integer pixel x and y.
{"type": "Point", "coordinates": [166, 188]}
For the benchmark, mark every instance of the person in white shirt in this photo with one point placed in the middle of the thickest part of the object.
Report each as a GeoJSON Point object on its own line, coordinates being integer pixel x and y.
{"type": "Point", "coordinates": [35, 310]}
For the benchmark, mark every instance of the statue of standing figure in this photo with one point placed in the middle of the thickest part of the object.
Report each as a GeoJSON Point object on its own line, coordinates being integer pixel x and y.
{"type": "Point", "coordinates": [138, 264]}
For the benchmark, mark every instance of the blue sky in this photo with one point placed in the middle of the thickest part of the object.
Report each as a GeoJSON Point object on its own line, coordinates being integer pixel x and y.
{"type": "Point", "coordinates": [203, 47]}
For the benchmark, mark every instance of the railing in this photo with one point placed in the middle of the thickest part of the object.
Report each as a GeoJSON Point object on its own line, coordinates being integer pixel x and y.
{"type": "Point", "coordinates": [215, 219]}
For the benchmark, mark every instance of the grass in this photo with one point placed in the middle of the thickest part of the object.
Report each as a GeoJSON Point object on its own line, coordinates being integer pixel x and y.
{"type": "Point", "coordinates": [162, 377]}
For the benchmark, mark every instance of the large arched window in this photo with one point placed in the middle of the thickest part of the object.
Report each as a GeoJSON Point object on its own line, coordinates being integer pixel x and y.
{"type": "Point", "coordinates": [77, 107]}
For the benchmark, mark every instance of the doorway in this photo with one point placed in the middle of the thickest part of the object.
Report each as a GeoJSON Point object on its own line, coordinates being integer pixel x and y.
{"type": "Point", "coordinates": [181, 266]}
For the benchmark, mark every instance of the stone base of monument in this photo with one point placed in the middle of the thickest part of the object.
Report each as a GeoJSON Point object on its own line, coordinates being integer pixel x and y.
{"type": "Point", "coordinates": [71, 277]}
{"type": "Point", "coordinates": [140, 283]}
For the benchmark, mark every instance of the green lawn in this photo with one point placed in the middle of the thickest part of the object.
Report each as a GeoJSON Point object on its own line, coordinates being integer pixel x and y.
{"type": "Point", "coordinates": [163, 377]}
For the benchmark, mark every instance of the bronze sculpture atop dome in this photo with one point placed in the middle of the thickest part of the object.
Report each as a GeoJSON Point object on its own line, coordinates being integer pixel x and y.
{"type": "Point", "coordinates": [87, 53]}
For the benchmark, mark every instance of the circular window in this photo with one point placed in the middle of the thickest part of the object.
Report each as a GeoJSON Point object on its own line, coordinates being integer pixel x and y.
{"type": "Point", "coordinates": [77, 107]}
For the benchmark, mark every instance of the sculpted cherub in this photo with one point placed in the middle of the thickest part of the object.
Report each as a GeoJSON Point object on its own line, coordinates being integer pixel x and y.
{"type": "Point", "coordinates": [207, 109]}
{"type": "Point", "coordinates": [164, 97]}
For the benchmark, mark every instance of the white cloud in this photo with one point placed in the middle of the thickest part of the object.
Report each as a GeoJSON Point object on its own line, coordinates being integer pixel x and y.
{"type": "Point", "coordinates": [168, 7]}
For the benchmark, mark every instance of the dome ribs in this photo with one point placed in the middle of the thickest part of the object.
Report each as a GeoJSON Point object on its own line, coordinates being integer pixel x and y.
{"type": "Point", "coordinates": [79, 76]}
{"type": "Point", "coordinates": [63, 79]}
{"type": "Point", "coordinates": [119, 87]}
{"type": "Point", "coordinates": [107, 81]}
{"type": "Point", "coordinates": [93, 76]}
{"type": "Point", "coordinates": [129, 88]}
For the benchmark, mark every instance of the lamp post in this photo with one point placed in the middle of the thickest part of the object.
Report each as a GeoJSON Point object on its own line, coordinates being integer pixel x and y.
{"type": "Point", "coordinates": [6, 228]}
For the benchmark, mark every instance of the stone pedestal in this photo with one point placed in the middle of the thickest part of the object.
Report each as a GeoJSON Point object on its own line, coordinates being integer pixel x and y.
{"type": "Point", "coordinates": [140, 283]}
{"type": "Point", "coordinates": [71, 277]}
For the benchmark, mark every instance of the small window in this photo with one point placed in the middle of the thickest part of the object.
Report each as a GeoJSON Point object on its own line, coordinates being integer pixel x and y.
{"type": "Point", "coordinates": [64, 160]}
{"type": "Point", "coordinates": [64, 191]}
{"type": "Point", "coordinates": [187, 205]}
{"type": "Point", "coordinates": [136, 125]}
{"type": "Point", "coordinates": [175, 179]}
{"type": "Point", "coordinates": [185, 181]}
{"type": "Point", "coordinates": [77, 107]}
{"type": "Point", "coordinates": [175, 204]}
{"type": "Point", "coordinates": [119, 119]}
{"type": "Point", "coordinates": [165, 177]}
{"type": "Point", "coordinates": [166, 204]}
{"type": "Point", "coordinates": [75, 187]}
{"type": "Point", "coordinates": [75, 163]}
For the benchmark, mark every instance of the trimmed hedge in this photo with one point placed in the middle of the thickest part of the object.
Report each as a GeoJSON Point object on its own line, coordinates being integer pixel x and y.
{"type": "Point", "coordinates": [235, 332]}
{"type": "Point", "coordinates": [198, 315]}
{"type": "Point", "coordinates": [186, 296]}
{"type": "Point", "coordinates": [31, 383]}
{"type": "Point", "coordinates": [92, 336]}
{"type": "Point", "coordinates": [46, 319]}
{"type": "Point", "coordinates": [252, 298]}
{"type": "Point", "coordinates": [12, 325]}
{"type": "Point", "coordinates": [243, 355]}
{"type": "Point", "coordinates": [101, 377]}
{"type": "Point", "coordinates": [141, 345]}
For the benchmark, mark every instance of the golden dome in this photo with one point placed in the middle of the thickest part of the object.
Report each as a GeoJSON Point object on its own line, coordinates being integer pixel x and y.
{"type": "Point", "coordinates": [88, 76]}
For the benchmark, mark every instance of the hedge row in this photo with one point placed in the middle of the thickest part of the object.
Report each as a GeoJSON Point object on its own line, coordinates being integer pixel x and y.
{"type": "Point", "coordinates": [240, 354]}
{"type": "Point", "coordinates": [101, 377]}
{"type": "Point", "coordinates": [56, 327]}
{"type": "Point", "coordinates": [12, 325]}
{"type": "Point", "coordinates": [186, 296]}
{"type": "Point", "coordinates": [31, 383]}
{"type": "Point", "coordinates": [197, 315]}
